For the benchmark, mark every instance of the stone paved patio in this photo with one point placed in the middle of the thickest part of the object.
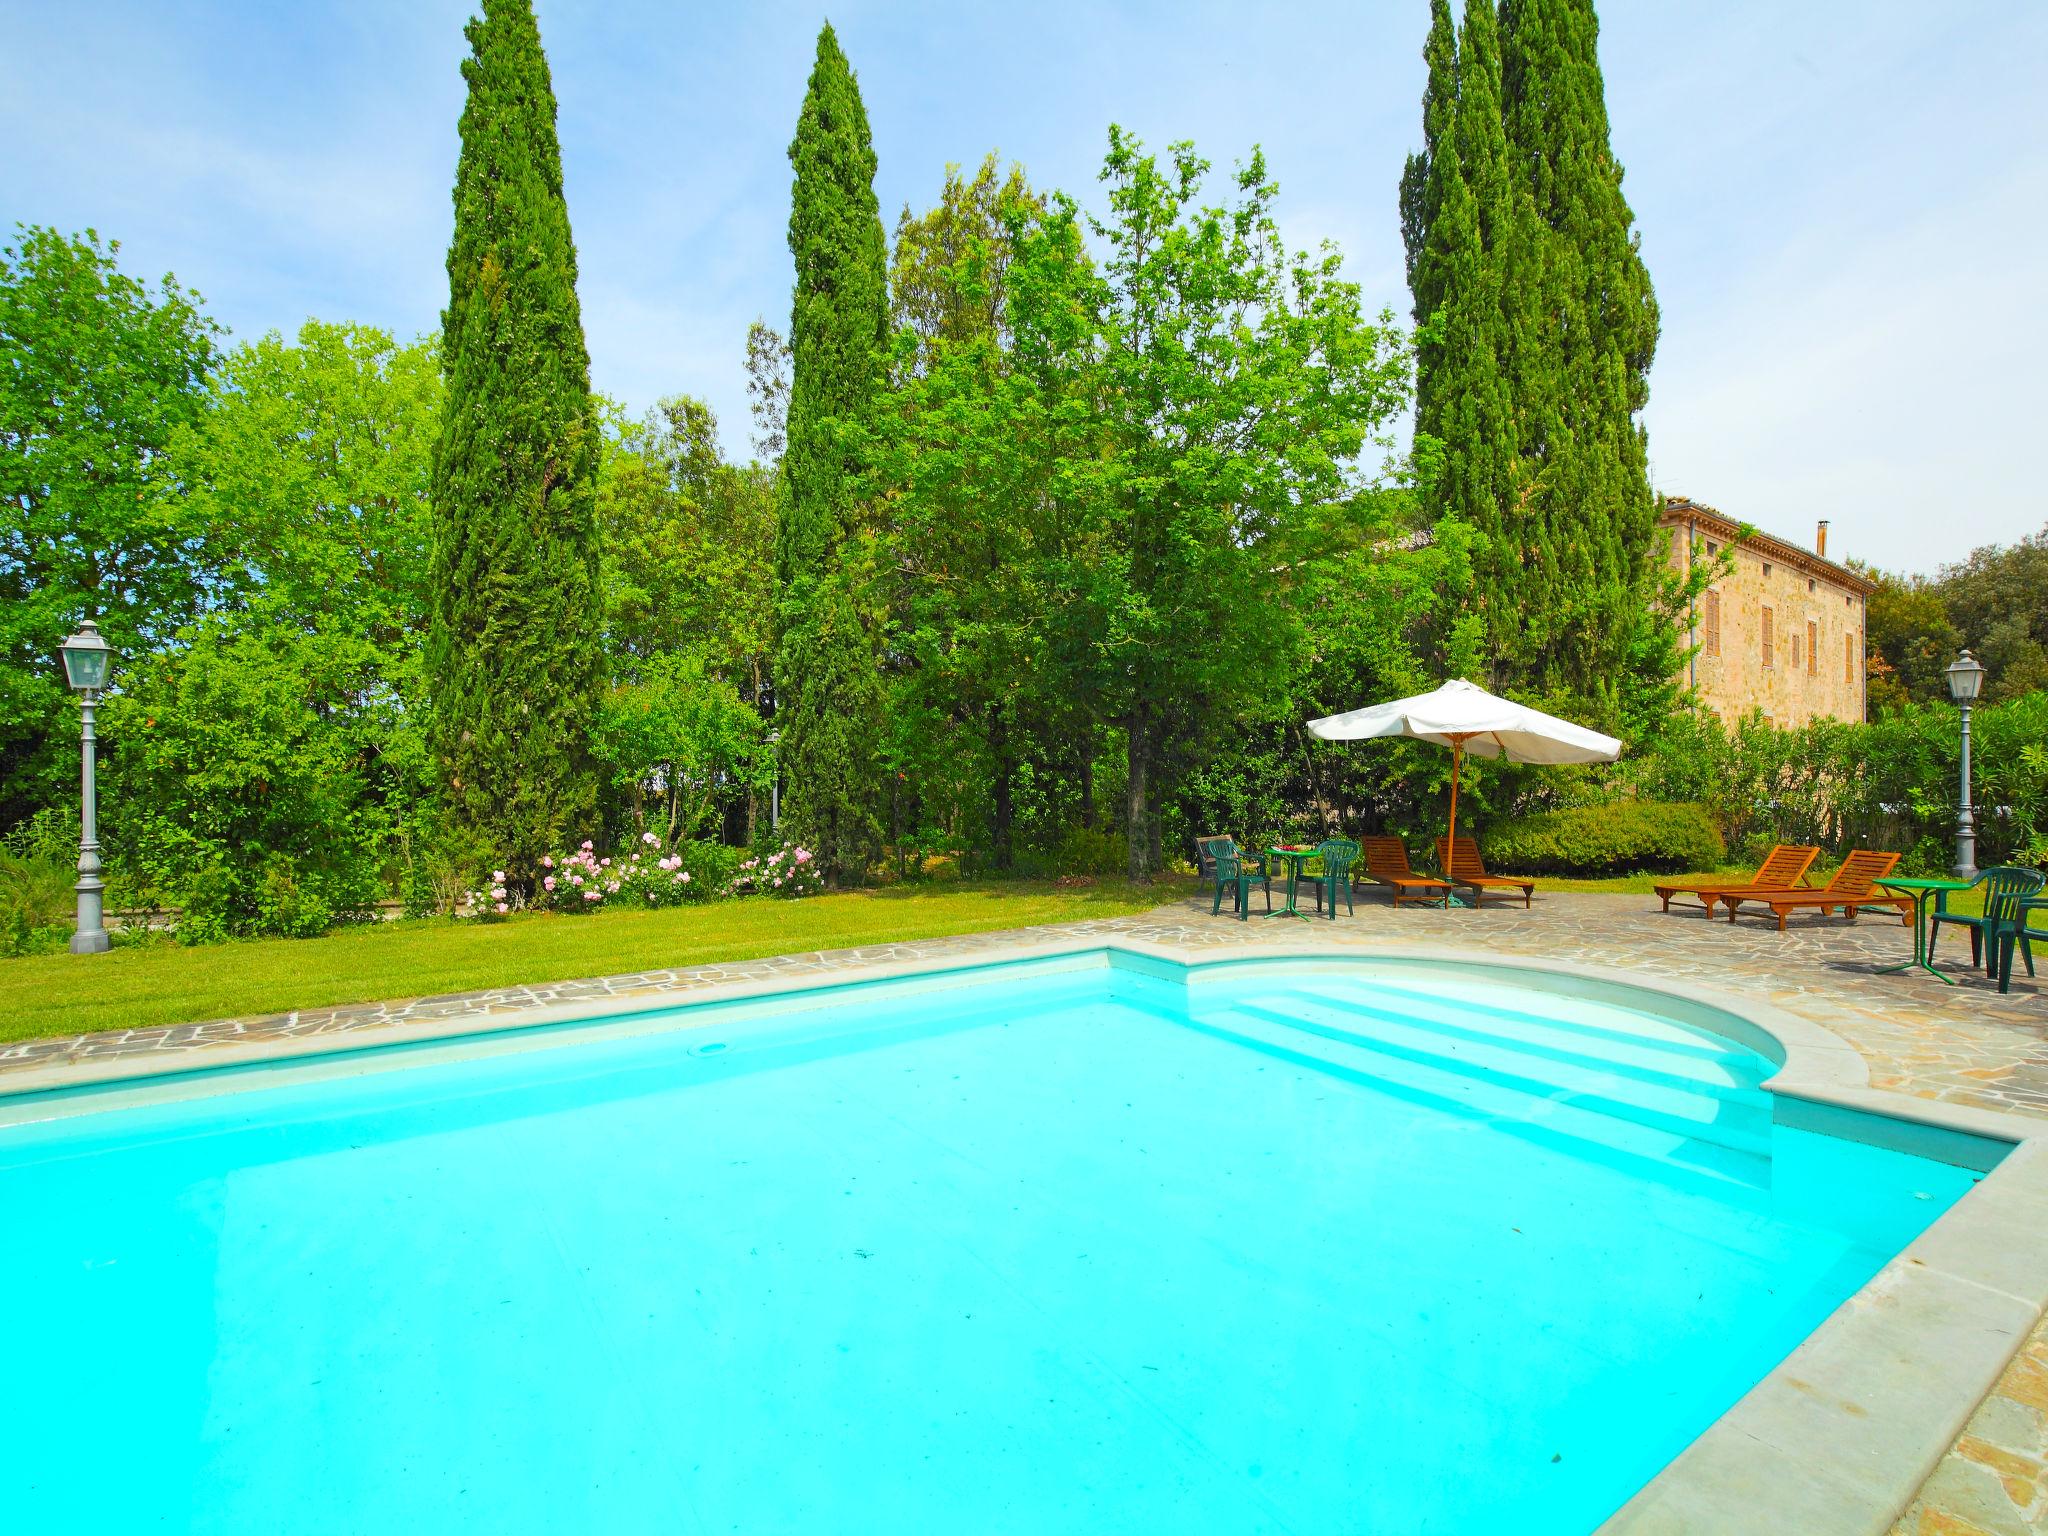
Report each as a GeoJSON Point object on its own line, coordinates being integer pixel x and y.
{"type": "Point", "coordinates": [1964, 1044]}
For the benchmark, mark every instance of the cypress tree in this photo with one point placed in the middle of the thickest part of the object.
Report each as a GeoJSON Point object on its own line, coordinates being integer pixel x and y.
{"type": "Point", "coordinates": [1537, 326]}
{"type": "Point", "coordinates": [828, 695]}
{"type": "Point", "coordinates": [1586, 338]}
{"type": "Point", "coordinates": [1458, 221]}
{"type": "Point", "coordinates": [515, 671]}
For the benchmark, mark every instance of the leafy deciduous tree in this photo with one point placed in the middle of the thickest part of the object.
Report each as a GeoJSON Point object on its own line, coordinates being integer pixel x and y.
{"type": "Point", "coordinates": [98, 373]}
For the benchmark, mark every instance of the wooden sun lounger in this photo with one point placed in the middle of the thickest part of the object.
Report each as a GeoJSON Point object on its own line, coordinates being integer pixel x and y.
{"type": "Point", "coordinates": [1386, 863]}
{"type": "Point", "coordinates": [1850, 889]}
{"type": "Point", "coordinates": [1781, 871]}
{"type": "Point", "coordinates": [1463, 864]}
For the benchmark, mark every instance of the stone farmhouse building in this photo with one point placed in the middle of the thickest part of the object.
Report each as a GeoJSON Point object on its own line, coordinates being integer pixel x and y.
{"type": "Point", "coordinates": [1782, 633]}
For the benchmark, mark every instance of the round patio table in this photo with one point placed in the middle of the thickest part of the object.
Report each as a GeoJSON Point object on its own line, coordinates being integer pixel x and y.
{"type": "Point", "coordinates": [1295, 857]}
{"type": "Point", "coordinates": [1923, 891]}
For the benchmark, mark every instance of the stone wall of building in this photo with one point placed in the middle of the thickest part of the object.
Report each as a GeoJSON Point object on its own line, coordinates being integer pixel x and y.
{"type": "Point", "coordinates": [1780, 633]}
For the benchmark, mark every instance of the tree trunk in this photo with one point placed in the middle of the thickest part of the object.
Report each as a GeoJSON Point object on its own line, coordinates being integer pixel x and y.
{"type": "Point", "coordinates": [1138, 796]}
{"type": "Point", "coordinates": [1005, 772]}
{"type": "Point", "coordinates": [1088, 781]}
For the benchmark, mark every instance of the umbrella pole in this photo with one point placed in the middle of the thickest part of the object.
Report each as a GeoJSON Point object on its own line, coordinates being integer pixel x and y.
{"type": "Point", "coordinates": [1457, 765]}
{"type": "Point", "coordinates": [1451, 844]}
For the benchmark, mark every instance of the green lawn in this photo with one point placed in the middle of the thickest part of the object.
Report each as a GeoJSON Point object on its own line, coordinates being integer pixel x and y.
{"type": "Point", "coordinates": [135, 987]}
{"type": "Point", "coordinates": [151, 984]}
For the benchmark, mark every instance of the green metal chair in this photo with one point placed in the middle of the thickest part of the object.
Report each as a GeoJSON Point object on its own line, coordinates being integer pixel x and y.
{"type": "Point", "coordinates": [2004, 887]}
{"type": "Point", "coordinates": [1232, 868]}
{"type": "Point", "coordinates": [2015, 931]}
{"type": "Point", "coordinates": [1331, 872]}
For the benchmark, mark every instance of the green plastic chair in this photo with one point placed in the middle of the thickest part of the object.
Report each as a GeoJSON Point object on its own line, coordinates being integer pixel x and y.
{"type": "Point", "coordinates": [1231, 868]}
{"type": "Point", "coordinates": [1331, 872]}
{"type": "Point", "coordinates": [2004, 886]}
{"type": "Point", "coordinates": [2015, 930]}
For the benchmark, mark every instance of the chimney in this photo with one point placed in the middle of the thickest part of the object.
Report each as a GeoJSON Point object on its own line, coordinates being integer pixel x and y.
{"type": "Point", "coordinates": [1820, 539]}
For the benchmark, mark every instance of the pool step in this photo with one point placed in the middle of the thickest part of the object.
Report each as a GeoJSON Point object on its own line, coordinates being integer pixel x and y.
{"type": "Point", "coordinates": [1606, 1051]}
{"type": "Point", "coordinates": [1609, 1024]}
{"type": "Point", "coordinates": [1714, 1113]}
{"type": "Point", "coordinates": [1551, 1122]}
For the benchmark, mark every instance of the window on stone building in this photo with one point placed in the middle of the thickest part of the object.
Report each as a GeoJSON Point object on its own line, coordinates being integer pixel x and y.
{"type": "Point", "coordinates": [1767, 646]}
{"type": "Point", "coordinates": [1767, 570]}
{"type": "Point", "coordinates": [1711, 643]}
{"type": "Point", "coordinates": [1812, 647]}
{"type": "Point", "coordinates": [1795, 652]}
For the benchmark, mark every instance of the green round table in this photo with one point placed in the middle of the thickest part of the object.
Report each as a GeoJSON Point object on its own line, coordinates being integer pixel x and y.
{"type": "Point", "coordinates": [1295, 857]}
{"type": "Point", "coordinates": [1923, 891]}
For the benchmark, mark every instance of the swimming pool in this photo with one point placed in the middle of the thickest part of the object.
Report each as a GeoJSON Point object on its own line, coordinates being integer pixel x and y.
{"type": "Point", "coordinates": [1059, 1246]}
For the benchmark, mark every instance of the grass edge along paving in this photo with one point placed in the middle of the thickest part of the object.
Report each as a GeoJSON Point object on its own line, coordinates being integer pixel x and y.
{"type": "Point", "coordinates": [162, 983]}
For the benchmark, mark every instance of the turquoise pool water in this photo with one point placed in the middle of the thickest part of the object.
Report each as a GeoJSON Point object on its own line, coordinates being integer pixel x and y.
{"type": "Point", "coordinates": [1045, 1250]}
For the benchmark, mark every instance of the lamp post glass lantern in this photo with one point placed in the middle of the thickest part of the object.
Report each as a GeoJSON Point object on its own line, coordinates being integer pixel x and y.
{"type": "Point", "coordinates": [87, 661]}
{"type": "Point", "coordinates": [1965, 681]}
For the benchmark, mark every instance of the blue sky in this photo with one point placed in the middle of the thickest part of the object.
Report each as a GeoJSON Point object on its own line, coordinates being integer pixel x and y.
{"type": "Point", "coordinates": [1844, 206]}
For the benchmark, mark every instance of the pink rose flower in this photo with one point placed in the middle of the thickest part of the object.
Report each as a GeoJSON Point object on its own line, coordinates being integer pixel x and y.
{"type": "Point", "coordinates": [502, 907]}
{"type": "Point", "coordinates": [549, 883]}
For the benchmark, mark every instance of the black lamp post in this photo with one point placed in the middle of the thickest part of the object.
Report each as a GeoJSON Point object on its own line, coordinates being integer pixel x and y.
{"type": "Point", "coordinates": [87, 660]}
{"type": "Point", "coordinates": [1965, 681]}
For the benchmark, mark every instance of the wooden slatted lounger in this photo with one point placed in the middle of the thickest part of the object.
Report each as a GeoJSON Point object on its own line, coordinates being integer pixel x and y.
{"type": "Point", "coordinates": [1781, 871]}
{"type": "Point", "coordinates": [1466, 869]}
{"type": "Point", "coordinates": [1850, 889]}
{"type": "Point", "coordinates": [1386, 863]}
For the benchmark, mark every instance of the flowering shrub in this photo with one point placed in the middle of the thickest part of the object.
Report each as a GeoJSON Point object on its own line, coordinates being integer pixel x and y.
{"type": "Point", "coordinates": [644, 874]}
{"type": "Point", "coordinates": [488, 905]}
{"type": "Point", "coordinates": [789, 871]}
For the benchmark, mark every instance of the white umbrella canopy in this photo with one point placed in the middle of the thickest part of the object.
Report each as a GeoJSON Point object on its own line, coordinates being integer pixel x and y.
{"type": "Point", "coordinates": [1466, 718]}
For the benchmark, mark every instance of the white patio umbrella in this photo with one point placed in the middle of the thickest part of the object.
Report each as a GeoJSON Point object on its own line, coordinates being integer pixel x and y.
{"type": "Point", "coordinates": [1466, 718]}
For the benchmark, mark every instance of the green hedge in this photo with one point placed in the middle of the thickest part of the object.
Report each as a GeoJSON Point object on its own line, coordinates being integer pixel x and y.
{"type": "Point", "coordinates": [1618, 838]}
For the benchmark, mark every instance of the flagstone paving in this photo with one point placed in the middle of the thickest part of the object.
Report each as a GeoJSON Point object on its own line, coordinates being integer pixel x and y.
{"type": "Point", "coordinates": [1965, 1044]}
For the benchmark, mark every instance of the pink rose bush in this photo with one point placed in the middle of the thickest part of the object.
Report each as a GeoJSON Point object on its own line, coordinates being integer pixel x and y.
{"type": "Point", "coordinates": [789, 871]}
{"type": "Point", "coordinates": [646, 873]}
